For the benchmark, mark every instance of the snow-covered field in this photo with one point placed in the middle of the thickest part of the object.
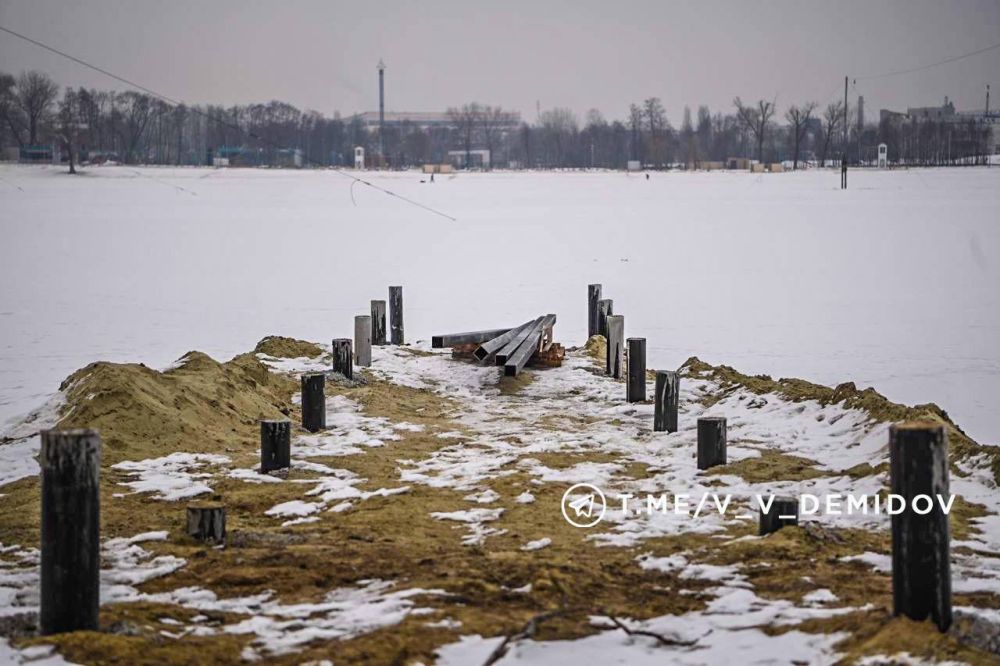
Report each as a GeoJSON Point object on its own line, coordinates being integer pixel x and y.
{"type": "Point", "coordinates": [891, 284]}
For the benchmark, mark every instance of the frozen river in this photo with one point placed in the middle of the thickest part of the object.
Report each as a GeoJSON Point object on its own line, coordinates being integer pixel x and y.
{"type": "Point", "coordinates": [894, 283]}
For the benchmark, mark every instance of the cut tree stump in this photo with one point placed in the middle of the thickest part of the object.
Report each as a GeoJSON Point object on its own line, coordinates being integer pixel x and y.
{"type": "Point", "coordinates": [206, 522]}
{"type": "Point", "coordinates": [635, 389]}
{"type": "Point", "coordinates": [70, 461]}
{"type": "Point", "coordinates": [615, 360]}
{"type": "Point", "coordinates": [593, 319]}
{"type": "Point", "coordinates": [314, 401]}
{"type": "Point", "coordinates": [363, 340]}
{"type": "Point", "coordinates": [711, 441]}
{"type": "Point", "coordinates": [378, 323]}
{"type": "Point", "coordinates": [275, 445]}
{"type": "Point", "coordinates": [921, 574]}
{"type": "Point", "coordinates": [665, 401]}
{"type": "Point", "coordinates": [605, 308]}
{"type": "Point", "coordinates": [783, 511]}
{"type": "Point", "coordinates": [396, 315]}
{"type": "Point", "coordinates": [343, 358]}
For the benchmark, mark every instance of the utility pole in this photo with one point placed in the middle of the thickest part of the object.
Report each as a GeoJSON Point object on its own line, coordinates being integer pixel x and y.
{"type": "Point", "coordinates": [381, 112]}
{"type": "Point", "coordinates": [845, 115]}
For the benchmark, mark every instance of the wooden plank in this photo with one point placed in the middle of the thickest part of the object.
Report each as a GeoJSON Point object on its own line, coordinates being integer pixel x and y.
{"type": "Point", "coordinates": [467, 338]}
{"type": "Point", "coordinates": [493, 345]}
{"type": "Point", "coordinates": [504, 353]}
{"type": "Point", "coordinates": [548, 358]}
{"type": "Point", "coordinates": [515, 362]}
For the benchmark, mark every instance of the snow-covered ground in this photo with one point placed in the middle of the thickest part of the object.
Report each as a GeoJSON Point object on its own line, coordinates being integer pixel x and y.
{"type": "Point", "coordinates": [502, 435]}
{"type": "Point", "coordinates": [892, 283]}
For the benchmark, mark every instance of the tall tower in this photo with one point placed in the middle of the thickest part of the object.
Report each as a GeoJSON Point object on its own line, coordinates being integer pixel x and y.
{"type": "Point", "coordinates": [861, 112]}
{"type": "Point", "coordinates": [381, 111]}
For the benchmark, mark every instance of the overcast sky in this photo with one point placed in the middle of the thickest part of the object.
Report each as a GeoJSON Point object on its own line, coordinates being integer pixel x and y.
{"type": "Point", "coordinates": [581, 54]}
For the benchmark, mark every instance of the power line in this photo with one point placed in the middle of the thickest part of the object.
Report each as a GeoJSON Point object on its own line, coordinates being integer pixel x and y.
{"type": "Point", "coordinates": [220, 121]}
{"type": "Point", "coordinates": [923, 67]}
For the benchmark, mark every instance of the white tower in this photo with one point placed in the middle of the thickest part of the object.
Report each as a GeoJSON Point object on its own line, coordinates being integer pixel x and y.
{"type": "Point", "coordinates": [359, 157]}
{"type": "Point", "coordinates": [883, 156]}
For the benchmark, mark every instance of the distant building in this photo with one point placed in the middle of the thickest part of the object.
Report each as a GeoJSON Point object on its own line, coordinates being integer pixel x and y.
{"type": "Point", "coordinates": [894, 117]}
{"type": "Point", "coordinates": [424, 119]}
{"type": "Point", "coordinates": [477, 159]}
{"type": "Point", "coordinates": [943, 112]}
{"type": "Point", "coordinates": [288, 158]}
{"type": "Point", "coordinates": [39, 155]}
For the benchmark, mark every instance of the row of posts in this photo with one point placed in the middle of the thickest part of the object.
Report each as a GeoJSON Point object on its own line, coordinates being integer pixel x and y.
{"type": "Point", "coordinates": [601, 320]}
{"type": "Point", "coordinates": [369, 329]}
{"type": "Point", "coordinates": [918, 454]}
{"type": "Point", "coordinates": [70, 461]}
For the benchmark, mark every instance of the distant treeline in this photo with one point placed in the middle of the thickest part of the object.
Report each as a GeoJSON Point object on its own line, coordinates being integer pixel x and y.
{"type": "Point", "coordinates": [137, 128]}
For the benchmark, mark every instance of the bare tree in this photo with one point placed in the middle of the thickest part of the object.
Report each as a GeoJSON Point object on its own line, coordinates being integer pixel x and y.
{"type": "Point", "coordinates": [526, 143]}
{"type": "Point", "coordinates": [635, 125]}
{"type": "Point", "coordinates": [36, 93]}
{"type": "Point", "coordinates": [798, 117]}
{"type": "Point", "coordinates": [180, 114]}
{"type": "Point", "coordinates": [137, 111]}
{"type": "Point", "coordinates": [10, 112]}
{"type": "Point", "coordinates": [68, 124]}
{"type": "Point", "coordinates": [656, 119]}
{"type": "Point", "coordinates": [466, 119]}
{"type": "Point", "coordinates": [493, 120]}
{"type": "Point", "coordinates": [756, 119]}
{"type": "Point", "coordinates": [559, 127]}
{"type": "Point", "coordinates": [833, 115]}
{"type": "Point", "coordinates": [689, 141]}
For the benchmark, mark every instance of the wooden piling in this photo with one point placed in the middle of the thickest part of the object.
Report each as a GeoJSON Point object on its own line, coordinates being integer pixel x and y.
{"type": "Point", "coordinates": [206, 522]}
{"type": "Point", "coordinates": [593, 321]}
{"type": "Point", "coordinates": [396, 315]}
{"type": "Point", "coordinates": [314, 401]}
{"type": "Point", "coordinates": [378, 323]}
{"type": "Point", "coordinates": [615, 359]}
{"type": "Point", "coordinates": [711, 441]}
{"type": "Point", "coordinates": [275, 445]}
{"type": "Point", "coordinates": [363, 340]}
{"type": "Point", "coordinates": [605, 308]}
{"type": "Point", "coordinates": [71, 530]}
{"type": "Point", "coordinates": [921, 576]}
{"type": "Point", "coordinates": [635, 390]}
{"type": "Point", "coordinates": [343, 358]}
{"type": "Point", "coordinates": [783, 511]}
{"type": "Point", "coordinates": [665, 401]}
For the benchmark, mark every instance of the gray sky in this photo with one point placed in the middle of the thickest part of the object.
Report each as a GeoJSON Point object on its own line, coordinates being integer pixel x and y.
{"type": "Point", "coordinates": [579, 54]}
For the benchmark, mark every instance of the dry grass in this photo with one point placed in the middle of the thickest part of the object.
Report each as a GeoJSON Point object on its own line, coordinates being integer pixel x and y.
{"type": "Point", "coordinates": [211, 407]}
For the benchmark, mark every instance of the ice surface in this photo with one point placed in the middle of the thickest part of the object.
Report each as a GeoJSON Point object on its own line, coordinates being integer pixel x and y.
{"type": "Point", "coordinates": [891, 283]}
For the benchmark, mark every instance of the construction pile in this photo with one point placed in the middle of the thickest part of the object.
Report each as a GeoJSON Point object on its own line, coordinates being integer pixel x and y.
{"type": "Point", "coordinates": [510, 348]}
